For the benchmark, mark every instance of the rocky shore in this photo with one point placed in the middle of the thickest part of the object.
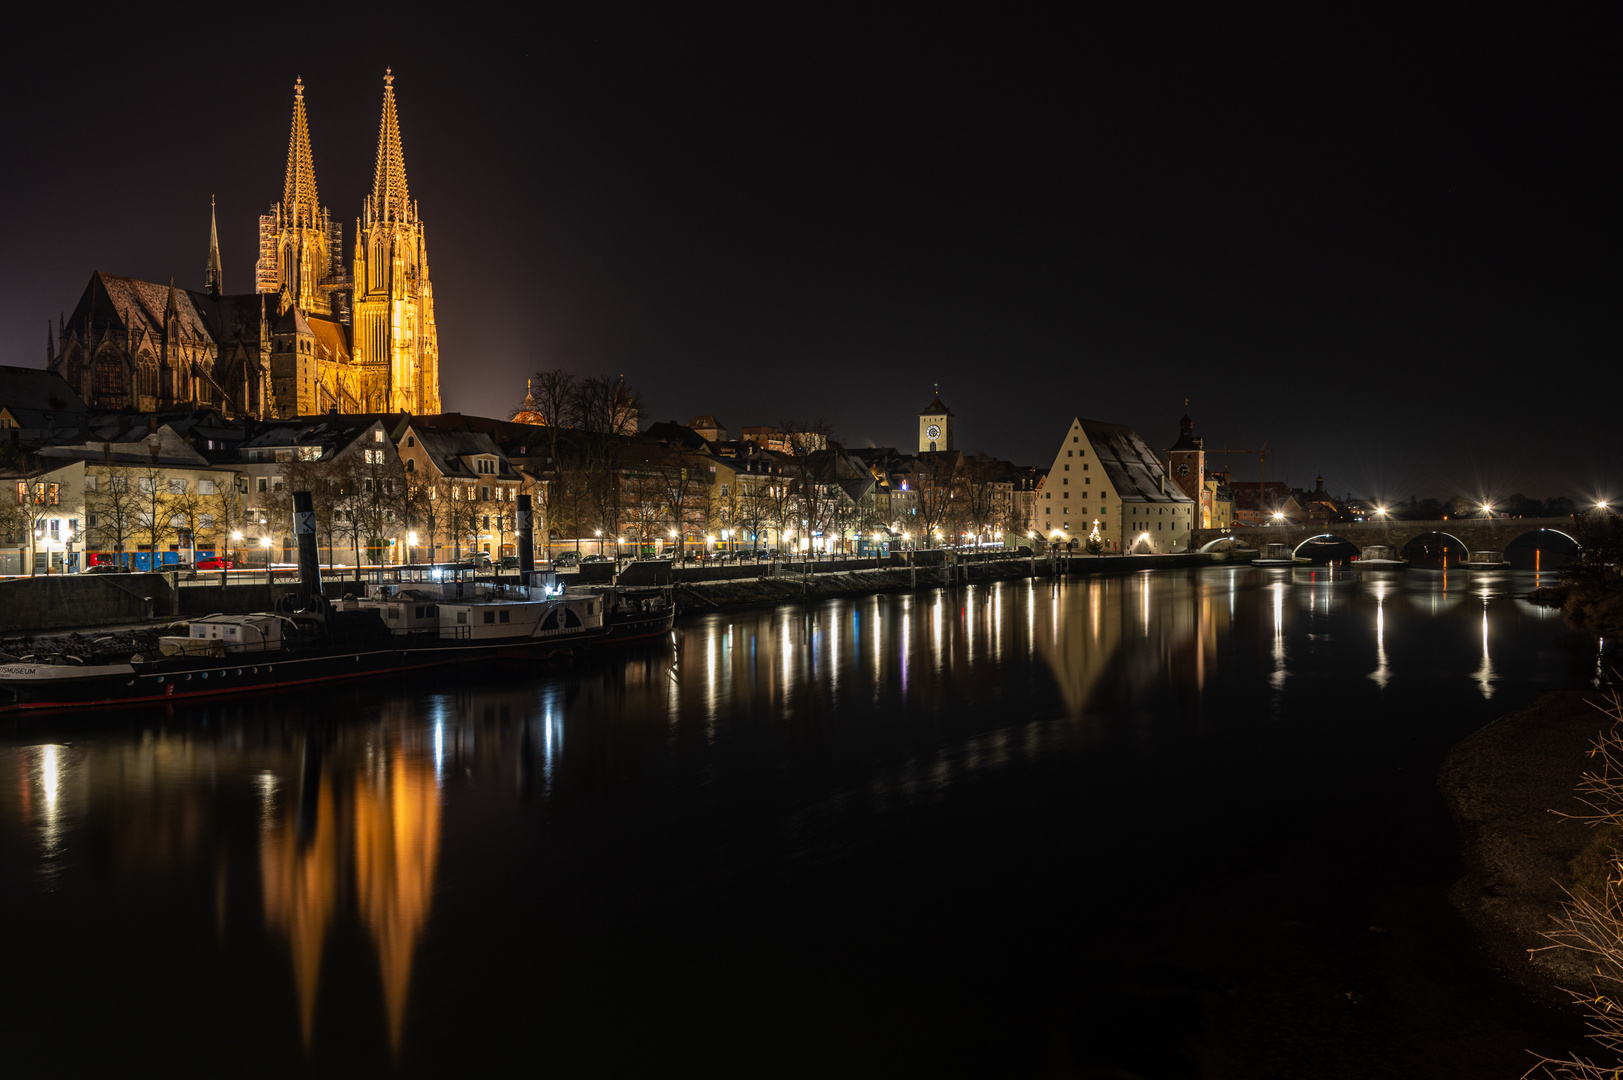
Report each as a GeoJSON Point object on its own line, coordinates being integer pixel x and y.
{"type": "Point", "coordinates": [1504, 786]}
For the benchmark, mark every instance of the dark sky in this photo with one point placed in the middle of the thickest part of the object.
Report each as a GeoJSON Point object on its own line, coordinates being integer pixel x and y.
{"type": "Point", "coordinates": [1386, 248]}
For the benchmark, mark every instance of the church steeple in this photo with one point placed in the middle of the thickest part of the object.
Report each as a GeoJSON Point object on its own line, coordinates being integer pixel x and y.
{"type": "Point", "coordinates": [298, 244]}
{"type": "Point", "coordinates": [390, 201]}
{"type": "Point", "coordinates": [299, 189]}
{"type": "Point", "coordinates": [395, 337]}
{"type": "Point", "coordinates": [213, 283]}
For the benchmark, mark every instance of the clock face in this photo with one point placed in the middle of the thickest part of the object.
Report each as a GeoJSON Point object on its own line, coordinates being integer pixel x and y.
{"type": "Point", "coordinates": [1183, 470]}
{"type": "Point", "coordinates": [932, 432]}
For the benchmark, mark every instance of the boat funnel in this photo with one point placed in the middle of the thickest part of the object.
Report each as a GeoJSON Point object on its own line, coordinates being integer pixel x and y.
{"type": "Point", "coordinates": [304, 527]}
{"type": "Point", "coordinates": [524, 535]}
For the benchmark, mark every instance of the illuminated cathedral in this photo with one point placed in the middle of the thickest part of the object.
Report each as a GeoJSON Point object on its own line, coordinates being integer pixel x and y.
{"type": "Point", "coordinates": [317, 333]}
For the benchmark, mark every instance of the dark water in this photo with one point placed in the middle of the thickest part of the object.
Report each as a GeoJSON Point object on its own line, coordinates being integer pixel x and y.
{"type": "Point", "coordinates": [1181, 824]}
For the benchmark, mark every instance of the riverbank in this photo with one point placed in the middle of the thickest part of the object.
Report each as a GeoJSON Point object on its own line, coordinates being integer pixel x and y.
{"type": "Point", "coordinates": [791, 585]}
{"type": "Point", "coordinates": [1501, 785]}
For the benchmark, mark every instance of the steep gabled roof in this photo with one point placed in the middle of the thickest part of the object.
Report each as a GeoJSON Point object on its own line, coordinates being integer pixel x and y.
{"type": "Point", "coordinates": [1133, 468]}
{"type": "Point", "coordinates": [131, 305]}
{"type": "Point", "coordinates": [935, 408]}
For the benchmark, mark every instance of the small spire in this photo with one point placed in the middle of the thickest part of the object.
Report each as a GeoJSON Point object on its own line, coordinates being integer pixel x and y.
{"type": "Point", "coordinates": [50, 342]}
{"type": "Point", "coordinates": [213, 280]}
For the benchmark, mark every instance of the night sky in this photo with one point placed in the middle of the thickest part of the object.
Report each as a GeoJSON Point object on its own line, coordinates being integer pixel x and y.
{"type": "Point", "coordinates": [1386, 248]}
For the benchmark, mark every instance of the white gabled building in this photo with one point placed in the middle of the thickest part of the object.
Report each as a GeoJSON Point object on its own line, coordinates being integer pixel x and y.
{"type": "Point", "coordinates": [1105, 473]}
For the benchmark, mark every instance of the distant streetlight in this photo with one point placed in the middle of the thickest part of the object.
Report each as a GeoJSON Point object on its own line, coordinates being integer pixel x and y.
{"type": "Point", "coordinates": [1487, 509]}
{"type": "Point", "coordinates": [1380, 511]}
{"type": "Point", "coordinates": [265, 542]}
{"type": "Point", "coordinates": [411, 543]}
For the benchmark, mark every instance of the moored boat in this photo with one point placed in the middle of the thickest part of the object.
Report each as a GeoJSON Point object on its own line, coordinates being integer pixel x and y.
{"type": "Point", "coordinates": [1380, 557]}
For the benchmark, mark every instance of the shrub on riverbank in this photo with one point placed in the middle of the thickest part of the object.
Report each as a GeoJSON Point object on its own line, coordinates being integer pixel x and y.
{"type": "Point", "coordinates": [1590, 921]}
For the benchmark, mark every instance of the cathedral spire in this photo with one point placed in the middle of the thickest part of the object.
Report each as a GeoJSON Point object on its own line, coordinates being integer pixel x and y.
{"type": "Point", "coordinates": [389, 198]}
{"type": "Point", "coordinates": [299, 190]}
{"type": "Point", "coordinates": [213, 283]}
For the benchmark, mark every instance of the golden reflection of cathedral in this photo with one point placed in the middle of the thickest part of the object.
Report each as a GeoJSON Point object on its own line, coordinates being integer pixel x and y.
{"type": "Point", "coordinates": [388, 828]}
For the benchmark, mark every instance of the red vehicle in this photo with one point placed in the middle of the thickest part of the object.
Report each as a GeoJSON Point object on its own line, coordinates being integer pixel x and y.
{"type": "Point", "coordinates": [216, 562]}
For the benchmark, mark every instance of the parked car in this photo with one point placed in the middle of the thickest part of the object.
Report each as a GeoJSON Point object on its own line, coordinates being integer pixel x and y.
{"type": "Point", "coordinates": [508, 562]}
{"type": "Point", "coordinates": [596, 558]}
{"type": "Point", "coordinates": [567, 558]}
{"type": "Point", "coordinates": [107, 568]}
{"type": "Point", "coordinates": [216, 562]}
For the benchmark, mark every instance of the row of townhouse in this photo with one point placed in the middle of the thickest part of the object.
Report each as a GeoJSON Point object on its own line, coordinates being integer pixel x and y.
{"type": "Point", "coordinates": [144, 490]}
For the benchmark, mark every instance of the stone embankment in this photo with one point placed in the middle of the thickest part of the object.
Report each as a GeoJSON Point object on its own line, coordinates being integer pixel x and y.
{"type": "Point", "coordinates": [796, 583]}
{"type": "Point", "coordinates": [1507, 787]}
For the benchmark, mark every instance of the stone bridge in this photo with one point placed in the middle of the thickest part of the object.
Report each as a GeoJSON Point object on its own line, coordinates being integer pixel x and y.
{"type": "Point", "coordinates": [1474, 534]}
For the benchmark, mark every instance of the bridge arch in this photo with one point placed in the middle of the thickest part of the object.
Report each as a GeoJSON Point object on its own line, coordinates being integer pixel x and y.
{"type": "Point", "coordinates": [1435, 551]}
{"type": "Point", "coordinates": [1223, 543]}
{"type": "Point", "coordinates": [1542, 549]}
{"type": "Point", "coordinates": [1326, 548]}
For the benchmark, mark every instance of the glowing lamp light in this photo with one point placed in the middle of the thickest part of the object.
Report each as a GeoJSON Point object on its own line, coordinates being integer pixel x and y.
{"type": "Point", "coordinates": [265, 542]}
{"type": "Point", "coordinates": [411, 538]}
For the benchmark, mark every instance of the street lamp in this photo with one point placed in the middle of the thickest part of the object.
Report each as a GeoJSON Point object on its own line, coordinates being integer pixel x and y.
{"type": "Point", "coordinates": [265, 542]}
{"type": "Point", "coordinates": [1487, 509]}
{"type": "Point", "coordinates": [599, 534]}
{"type": "Point", "coordinates": [1279, 516]}
{"type": "Point", "coordinates": [411, 543]}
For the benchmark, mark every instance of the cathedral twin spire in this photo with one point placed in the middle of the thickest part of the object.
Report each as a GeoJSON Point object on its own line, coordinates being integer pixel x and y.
{"type": "Point", "coordinates": [299, 190]}
{"type": "Point", "coordinates": [390, 201]}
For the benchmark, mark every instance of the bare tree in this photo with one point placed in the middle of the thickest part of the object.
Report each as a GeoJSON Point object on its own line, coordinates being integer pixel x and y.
{"type": "Point", "coordinates": [606, 412]}
{"type": "Point", "coordinates": [553, 393]}
{"type": "Point", "coordinates": [935, 481]}
{"type": "Point", "coordinates": [812, 495]}
{"type": "Point", "coordinates": [152, 488]}
{"type": "Point", "coordinates": [1591, 920]}
{"type": "Point", "coordinates": [111, 505]}
{"type": "Point", "coordinates": [682, 502]}
{"type": "Point", "coordinates": [324, 480]}
{"type": "Point", "coordinates": [37, 501]}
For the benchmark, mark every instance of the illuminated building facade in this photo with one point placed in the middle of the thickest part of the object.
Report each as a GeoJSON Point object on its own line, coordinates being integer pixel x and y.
{"type": "Point", "coordinates": [310, 338]}
{"type": "Point", "coordinates": [1107, 473]}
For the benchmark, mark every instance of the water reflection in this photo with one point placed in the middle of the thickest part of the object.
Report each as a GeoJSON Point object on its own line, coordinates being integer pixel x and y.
{"type": "Point", "coordinates": [715, 779]}
{"type": "Point", "coordinates": [1382, 673]}
{"type": "Point", "coordinates": [1484, 674]}
{"type": "Point", "coordinates": [375, 823]}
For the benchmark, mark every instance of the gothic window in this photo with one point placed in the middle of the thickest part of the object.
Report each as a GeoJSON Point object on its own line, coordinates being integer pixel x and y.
{"type": "Point", "coordinates": [109, 376]}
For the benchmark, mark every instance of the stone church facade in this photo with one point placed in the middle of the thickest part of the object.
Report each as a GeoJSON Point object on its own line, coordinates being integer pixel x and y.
{"type": "Point", "coordinates": [313, 337]}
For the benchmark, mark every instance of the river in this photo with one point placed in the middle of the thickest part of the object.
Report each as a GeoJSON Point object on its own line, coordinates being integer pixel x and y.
{"type": "Point", "coordinates": [1180, 823]}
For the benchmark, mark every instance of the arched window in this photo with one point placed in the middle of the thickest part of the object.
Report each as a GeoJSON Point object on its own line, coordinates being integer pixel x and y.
{"type": "Point", "coordinates": [109, 376]}
{"type": "Point", "coordinates": [411, 466]}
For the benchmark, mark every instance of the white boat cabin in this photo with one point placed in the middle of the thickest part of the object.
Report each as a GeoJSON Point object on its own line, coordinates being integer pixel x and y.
{"type": "Point", "coordinates": [219, 634]}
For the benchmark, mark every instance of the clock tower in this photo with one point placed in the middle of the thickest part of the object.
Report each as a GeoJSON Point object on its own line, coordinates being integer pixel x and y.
{"type": "Point", "coordinates": [1186, 464]}
{"type": "Point", "coordinates": [935, 426]}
